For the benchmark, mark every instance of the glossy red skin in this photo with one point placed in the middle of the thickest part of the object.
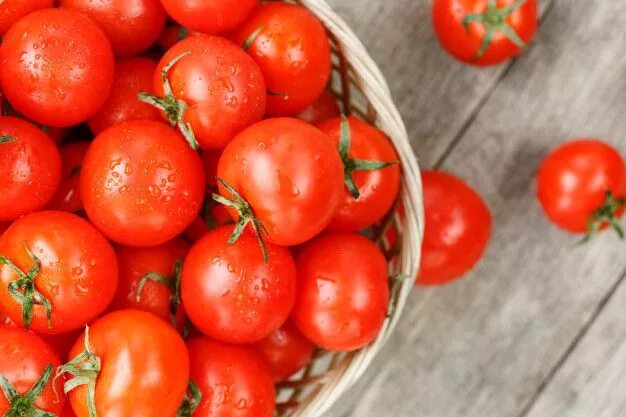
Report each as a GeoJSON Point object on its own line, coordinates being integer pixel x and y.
{"type": "Point", "coordinates": [289, 173]}
{"type": "Point", "coordinates": [30, 171]}
{"type": "Point", "coordinates": [13, 10]}
{"type": "Point", "coordinates": [464, 44]}
{"type": "Point", "coordinates": [67, 197]}
{"type": "Point", "coordinates": [132, 76]}
{"type": "Point", "coordinates": [573, 179]}
{"type": "Point", "coordinates": [145, 366]}
{"type": "Point", "coordinates": [141, 183]}
{"type": "Point", "coordinates": [78, 269]}
{"type": "Point", "coordinates": [64, 83]}
{"type": "Point", "coordinates": [229, 292]}
{"type": "Point", "coordinates": [293, 53]}
{"type": "Point", "coordinates": [23, 359]}
{"type": "Point", "coordinates": [210, 16]}
{"type": "Point", "coordinates": [343, 291]}
{"type": "Point", "coordinates": [323, 108]}
{"type": "Point", "coordinates": [286, 351]}
{"type": "Point", "coordinates": [378, 189]}
{"type": "Point", "coordinates": [457, 231]}
{"type": "Point", "coordinates": [221, 84]}
{"type": "Point", "coordinates": [234, 380]}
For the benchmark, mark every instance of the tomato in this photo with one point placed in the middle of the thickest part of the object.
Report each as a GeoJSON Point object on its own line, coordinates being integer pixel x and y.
{"type": "Point", "coordinates": [230, 293]}
{"type": "Point", "coordinates": [288, 173]}
{"type": "Point", "coordinates": [233, 380]}
{"type": "Point", "coordinates": [143, 369]}
{"type": "Point", "coordinates": [286, 351]}
{"type": "Point", "coordinates": [141, 184]}
{"type": "Point", "coordinates": [484, 32]}
{"type": "Point", "coordinates": [55, 263]}
{"type": "Point", "coordinates": [13, 10]}
{"type": "Point", "coordinates": [214, 90]}
{"type": "Point", "coordinates": [292, 49]}
{"type": "Point", "coordinates": [210, 16]}
{"type": "Point", "coordinates": [581, 186]}
{"type": "Point", "coordinates": [132, 76]}
{"type": "Point", "coordinates": [57, 134]}
{"type": "Point", "coordinates": [67, 197]}
{"type": "Point", "coordinates": [323, 108]}
{"type": "Point", "coordinates": [26, 365]}
{"type": "Point", "coordinates": [30, 171]}
{"type": "Point", "coordinates": [157, 271]}
{"type": "Point", "coordinates": [210, 160]}
{"type": "Point", "coordinates": [343, 291]}
{"type": "Point", "coordinates": [171, 35]}
{"type": "Point", "coordinates": [3, 227]}
{"type": "Point", "coordinates": [371, 170]}
{"type": "Point", "coordinates": [68, 412]}
{"type": "Point", "coordinates": [131, 26]}
{"type": "Point", "coordinates": [57, 67]}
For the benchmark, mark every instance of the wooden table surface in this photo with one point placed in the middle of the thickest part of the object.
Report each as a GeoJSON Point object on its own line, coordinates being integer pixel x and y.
{"type": "Point", "coordinates": [539, 328]}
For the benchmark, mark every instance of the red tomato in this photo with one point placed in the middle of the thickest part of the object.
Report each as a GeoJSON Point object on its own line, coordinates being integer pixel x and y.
{"type": "Point", "coordinates": [57, 258]}
{"type": "Point", "coordinates": [57, 134]}
{"type": "Point", "coordinates": [144, 367]}
{"type": "Point", "coordinates": [289, 174]}
{"type": "Point", "coordinates": [67, 197]}
{"type": "Point", "coordinates": [57, 67]}
{"type": "Point", "coordinates": [475, 32]}
{"type": "Point", "coordinates": [132, 76]}
{"type": "Point", "coordinates": [141, 184]}
{"type": "Point", "coordinates": [171, 35]}
{"type": "Point", "coordinates": [286, 351]}
{"type": "Point", "coordinates": [293, 53]}
{"type": "Point", "coordinates": [582, 186]}
{"type": "Point", "coordinates": [13, 10]}
{"type": "Point", "coordinates": [343, 291]}
{"type": "Point", "coordinates": [225, 15]}
{"type": "Point", "coordinates": [323, 108]}
{"type": "Point", "coordinates": [30, 171]}
{"type": "Point", "coordinates": [457, 231]}
{"type": "Point", "coordinates": [234, 380]}
{"type": "Point", "coordinates": [3, 227]}
{"type": "Point", "coordinates": [372, 173]}
{"type": "Point", "coordinates": [26, 360]}
{"type": "Point", "coordinates": [68, 412]}
{"type": "Point", "coordinates": [210, 160]}
{"type": "Point", "coordinates": [231, 294]}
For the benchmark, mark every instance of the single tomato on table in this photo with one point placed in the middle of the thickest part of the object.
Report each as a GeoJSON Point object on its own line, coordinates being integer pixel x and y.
{"type": "Point", "coordinates": [225, 15]}
{"type": "Point", "coordinates": [67, 197]}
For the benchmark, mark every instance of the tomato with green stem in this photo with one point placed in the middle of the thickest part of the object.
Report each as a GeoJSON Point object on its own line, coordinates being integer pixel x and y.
{"type": "Point", "coordinates": [13, 10]}
{"type": "Point", "coordinates": [323, 108]}
{"type": "Point", "coordinates": [67, 197]}
{"type": "Point", "coordinates": [225, 15]}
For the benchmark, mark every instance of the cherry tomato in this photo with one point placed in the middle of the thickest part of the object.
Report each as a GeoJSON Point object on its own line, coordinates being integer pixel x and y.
{"type": "Point", "coordinates": [288, 173]}
{"type": "Point", "coordinates": [132, 76]}
{"type": "Point", "coordinates": [292, 49]}
{"type": "Point", "coordinates": [56, 263]}
{"type": "Point", "coordinates": [13, 10]}
{"type": "Point", "coordinates": [231, 294]}
{"type": "Point", "coordinates": [233, 380]}
{"type": "Point", "coordinates": [286, 351]}
{"type": "Point", "coordinates": [225, 15]}
{"type": "Point", "coordinates": [372, 173]}
{"type": "Point", "coordinates": [30, 171]}
{"type": "Point", "coordinates": [144, 366]}
{"type": "Point", "coordinates": [27, 364]}
{"type": "Point", "coordinates": [581, 186]}
{"type": "Point", "coordinates": [481, 33]}
{"type": "Point", "coordinates": [343, 291]}
{"type": "Point", "coordinates": [67, 197]}
{"type": "Point", "coordinates": [57, 67]}
{"type": "Point", "coordinates": [323, 108]}
{"type": "Point", "coordinates": [141, 184]}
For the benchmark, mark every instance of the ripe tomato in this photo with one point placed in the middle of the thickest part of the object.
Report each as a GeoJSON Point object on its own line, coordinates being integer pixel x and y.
{"type": "Point", "coordinates": [225, 15]}
{"type": "Point", "coordinates": [67, 197]}
{"type": "Point", "coordinates": [343, 291]}
{"type": "Point", "coordinates": [140, 363]}
{"type": "Point", "coordinates": [67, 411]}
{"type": "Point", "coordinates": [323, 108]}
{"type": "Point", "coordinates": [371, 171]}
{"type": "Point", "coordinates": [484, 32]}
{"type": "Point", "coordinates": [231, 294]}
{"type": "Point", "coordinates": [13, 10]}
{"type": "Point", "coordinates": [233, 380]}
{"type": "Point", "coordinates": [57, 67]}
{"type": "Point", "coordinates": [210, 160]}
{"type": "Point", "coordinates": [30, 170]}
{"type": "Point", "coordinates": [3, 226]}
{"type": "Point", "coordinates": [581, 186]}
{"type": "Point", "coordinates": [286, 351]}
{"type": "Point", "coordinates": [132, 76]}
{"type": "Point", "coordinates": [141, 184]}
{"type": "Point", "coordinates": [132, 27]}
{"type": "Point", "coordinates": [57, 270]}
{"type": "Point", "coordinates": [457, 231]}
{"type": "Point", "coordinates": [289, 174]}
{"type": "Point", "coordinates": [291, 47]}
{"type": "Point", "coordinates": [26, 366]}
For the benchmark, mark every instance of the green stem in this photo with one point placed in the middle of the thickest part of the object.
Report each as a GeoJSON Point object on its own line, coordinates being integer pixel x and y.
{"type": "Point", "coordinates": [172, 282]}
{"type": "Point", "coordinates": [248, 42]}
{"type": "Point", "coordinates": [606, 214]}
{"type": "Point", "coordinates": [7, 139]}
{"type": "Point", "coordinates": [191, 402]}
{"type": "Point", "coordinates": [24, 405]}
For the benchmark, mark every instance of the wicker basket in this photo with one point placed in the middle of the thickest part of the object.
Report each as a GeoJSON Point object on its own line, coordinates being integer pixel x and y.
{"type": "Point", "coordinates": [363, 92]}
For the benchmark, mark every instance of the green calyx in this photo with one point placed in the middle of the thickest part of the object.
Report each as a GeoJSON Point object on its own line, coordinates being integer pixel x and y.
{"type": "Point", "coordinates": [23, 289]}
{"type": "Point", "coordinates": [277, 94]}
{"type": "Point", "coordinates": [24, 405]}
{"type": "Point", "coordinates": [606, 214]}
{"type": "Point", "coordinates": [173, 107]}
{"type": "Point", "coordinates": [494, 20]}
{"type": "Point", "coordinates": [172, 282]}
{"type": "Point", "coordinates": [248, 42]}
{"type": "Point", "coordinates": [7, 139]}
{"type": "Point", "coordinates": [351, 165]}
{"type": "Point", "coordinates": [191, 402]}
